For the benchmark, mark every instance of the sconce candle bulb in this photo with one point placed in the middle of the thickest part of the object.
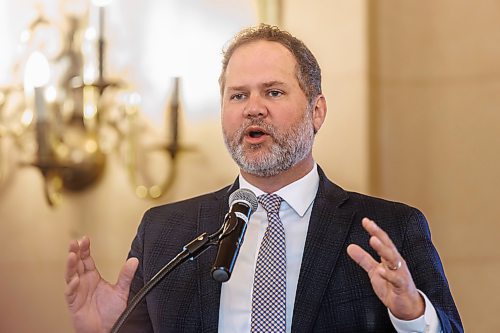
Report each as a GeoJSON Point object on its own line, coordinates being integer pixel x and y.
{"type": "Point", "coordinates": [36, 76]}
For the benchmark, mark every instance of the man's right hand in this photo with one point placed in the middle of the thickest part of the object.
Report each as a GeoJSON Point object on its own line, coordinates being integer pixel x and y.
{"type": "Point", "coordinates": [93, 303]}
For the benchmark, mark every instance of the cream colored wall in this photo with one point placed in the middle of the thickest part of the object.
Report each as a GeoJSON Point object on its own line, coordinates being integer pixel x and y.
{"type": "Point", "coordinates": [436, 99]}
{"type": "Point", "coordinates": [335, 30]}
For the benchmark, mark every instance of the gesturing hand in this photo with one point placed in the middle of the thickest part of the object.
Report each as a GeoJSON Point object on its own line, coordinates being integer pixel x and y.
{"type": "Point", "coordinates": [391, 280]}
{"type": "Point", "coordinates": [93, 303]}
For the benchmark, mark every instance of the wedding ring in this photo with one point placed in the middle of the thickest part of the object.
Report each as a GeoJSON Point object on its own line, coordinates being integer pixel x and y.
{"type": "Point", "coordinates": [396, 267]}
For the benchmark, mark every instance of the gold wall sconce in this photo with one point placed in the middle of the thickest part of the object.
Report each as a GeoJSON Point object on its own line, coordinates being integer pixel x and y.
{"type": "Point", "coordinates": [65, 117]}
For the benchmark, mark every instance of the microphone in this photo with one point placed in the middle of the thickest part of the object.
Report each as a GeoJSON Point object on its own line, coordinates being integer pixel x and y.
{"type": "Point", "coordinates": [242, 203]}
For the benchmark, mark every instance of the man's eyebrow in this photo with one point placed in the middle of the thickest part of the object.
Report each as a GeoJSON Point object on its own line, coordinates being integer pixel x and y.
{"type": "Point", "coordinates": [273, 83]}
{"type": "Point", "coordinates": [265, 85]}
{"type": "Point", "coordinates": [236, 88]}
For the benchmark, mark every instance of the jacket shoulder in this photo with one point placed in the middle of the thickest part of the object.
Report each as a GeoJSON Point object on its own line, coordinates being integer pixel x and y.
{"type": "Point", "coordinates": [188, 207]}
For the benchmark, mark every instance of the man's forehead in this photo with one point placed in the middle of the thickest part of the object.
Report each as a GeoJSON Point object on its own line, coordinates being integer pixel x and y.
{"type": "Point", "coordinates": [261, 46]}
{"type": "Point", "coordinates": [262, 55]}
{"type": "Point", "coordinates": [260, 62]}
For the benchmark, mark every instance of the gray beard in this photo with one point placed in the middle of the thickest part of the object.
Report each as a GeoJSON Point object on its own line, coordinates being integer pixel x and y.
{"type": "Point", "coordinates": [289, 147]}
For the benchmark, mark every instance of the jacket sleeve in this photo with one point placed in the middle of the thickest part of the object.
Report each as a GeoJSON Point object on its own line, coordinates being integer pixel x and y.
{"type": "Point", "coordinates": [139, 320]}
{"type": "Point", "coordinates": [427, 271]}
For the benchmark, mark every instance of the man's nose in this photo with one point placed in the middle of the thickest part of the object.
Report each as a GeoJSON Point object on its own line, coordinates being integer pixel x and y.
{"type": "Point", "coordinates": [255, 107]}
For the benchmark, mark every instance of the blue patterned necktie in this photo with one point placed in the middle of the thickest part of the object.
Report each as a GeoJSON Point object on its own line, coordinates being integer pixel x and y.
{"type": "Point", "coordinates": [269, 286]}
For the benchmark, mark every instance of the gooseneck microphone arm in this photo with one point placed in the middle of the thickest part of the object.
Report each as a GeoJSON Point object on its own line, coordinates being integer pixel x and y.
{"type": "Point", "coordinates": [190, 251]}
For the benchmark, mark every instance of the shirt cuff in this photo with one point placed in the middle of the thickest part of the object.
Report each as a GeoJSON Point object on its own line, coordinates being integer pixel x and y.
{"type": "Point", "coordinates": [428, 322]}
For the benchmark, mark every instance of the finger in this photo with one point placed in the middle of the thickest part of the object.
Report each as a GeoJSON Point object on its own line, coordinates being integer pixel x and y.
{"type": "Point", "coordinates": [361, 257]}
{"type": "Point", "coordinates": [388, 254]}
{"type": "Point", "coordinates": [127, 274]}
{"type": "Point", "coordinates": [390, 258]}
{"type": "Point", "coordinates": [72, 262]}
{"type": "Point", "coordinates": [84, 246]}
{"type": "Point", "coordinates": [382, 243]}
{"type": "Point", "coordinates": [391, 276]}
{"type": "Point", "coordinates": [87, 260]}
{"type": "Point", "coordinates": [71, 267]}
{"type": "Point", "coordinates": [73, 246]}
{"type": "Point", "coordinates": [71, 289]}
{"type": "Point", "coordinates": [374, 230]}
{"type": "Point", "coordinates": [372, 267]}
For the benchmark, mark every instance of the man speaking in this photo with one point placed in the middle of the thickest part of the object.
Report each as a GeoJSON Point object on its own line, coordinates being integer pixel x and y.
{"type": "Point", "coordinates": [315, 257]}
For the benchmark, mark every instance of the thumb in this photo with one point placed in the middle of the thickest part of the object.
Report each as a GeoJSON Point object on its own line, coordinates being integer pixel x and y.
{"type": "Point", "coordinates": [126, 274]}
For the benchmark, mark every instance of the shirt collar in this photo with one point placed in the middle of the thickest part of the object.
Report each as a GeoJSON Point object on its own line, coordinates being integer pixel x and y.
{"type": "Point", "coordinates": [299, 195]}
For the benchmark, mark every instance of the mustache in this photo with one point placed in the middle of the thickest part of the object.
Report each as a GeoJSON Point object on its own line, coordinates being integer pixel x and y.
{"type": "Point", "coordinates": [266, 127]}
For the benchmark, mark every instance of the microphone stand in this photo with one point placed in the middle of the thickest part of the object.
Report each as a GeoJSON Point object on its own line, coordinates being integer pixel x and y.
{"type": "Point", "coordinates": [190, 251]}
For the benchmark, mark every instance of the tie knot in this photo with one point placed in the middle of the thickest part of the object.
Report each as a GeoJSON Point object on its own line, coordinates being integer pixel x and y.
{"type": "Point", "coordinates": [270, 202]}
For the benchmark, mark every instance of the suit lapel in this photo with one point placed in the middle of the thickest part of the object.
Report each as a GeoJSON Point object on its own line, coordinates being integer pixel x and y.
{"type": "Point", "coordinates": [328, 229]}
{"type": "Point", "coordinates": [210, 218]}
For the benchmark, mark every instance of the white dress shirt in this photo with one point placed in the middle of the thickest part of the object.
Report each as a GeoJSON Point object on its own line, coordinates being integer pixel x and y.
{"type": "Point", "coordinates": [295, 212]}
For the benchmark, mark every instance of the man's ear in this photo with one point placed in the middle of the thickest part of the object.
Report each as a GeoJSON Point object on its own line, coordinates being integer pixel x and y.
{"type": "Point", "coordinates": [319, 112]}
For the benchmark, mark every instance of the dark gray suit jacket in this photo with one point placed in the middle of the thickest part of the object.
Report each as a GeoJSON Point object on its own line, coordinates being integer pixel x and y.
{"type": "Point", "coordinates": [333, 294]}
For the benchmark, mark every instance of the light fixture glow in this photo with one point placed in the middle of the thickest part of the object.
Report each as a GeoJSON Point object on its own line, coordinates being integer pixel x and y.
{"type": "Point", "coordinates": [37, 71]}
{"type": "Point", "coordinates": [101, 3]}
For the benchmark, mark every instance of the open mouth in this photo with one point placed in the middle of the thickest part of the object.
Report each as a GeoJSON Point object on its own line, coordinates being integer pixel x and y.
{"type": "Point", "coordinates": [256, 134]}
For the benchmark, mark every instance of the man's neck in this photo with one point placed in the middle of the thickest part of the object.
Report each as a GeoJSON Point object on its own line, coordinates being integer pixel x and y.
{"type": "Point", "coordinates": [272, 184]}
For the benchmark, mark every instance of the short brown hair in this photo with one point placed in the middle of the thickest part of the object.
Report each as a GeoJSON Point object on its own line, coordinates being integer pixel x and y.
{"type": "Point", "coordinates": [308, 71]}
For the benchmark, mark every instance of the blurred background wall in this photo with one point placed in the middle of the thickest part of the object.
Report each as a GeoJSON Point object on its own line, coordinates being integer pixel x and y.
{"type": "Point", "coordinates": [413, 89]}
{"type": "Point", "coordinates": [435, 85]}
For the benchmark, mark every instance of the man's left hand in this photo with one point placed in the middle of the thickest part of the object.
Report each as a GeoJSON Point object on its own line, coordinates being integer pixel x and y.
{"type": "Point", "coordinates": [391, 280]}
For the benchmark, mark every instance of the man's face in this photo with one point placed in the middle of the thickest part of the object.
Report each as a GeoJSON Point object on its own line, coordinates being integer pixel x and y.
{"type": "Point", "coordinates": [266, 121]}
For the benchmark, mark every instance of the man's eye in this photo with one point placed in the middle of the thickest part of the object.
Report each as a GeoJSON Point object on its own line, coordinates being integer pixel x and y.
{"type": "Point", "coordinates": [237, 97]}
{"type": "Point", "coordinates": [275, 93]}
